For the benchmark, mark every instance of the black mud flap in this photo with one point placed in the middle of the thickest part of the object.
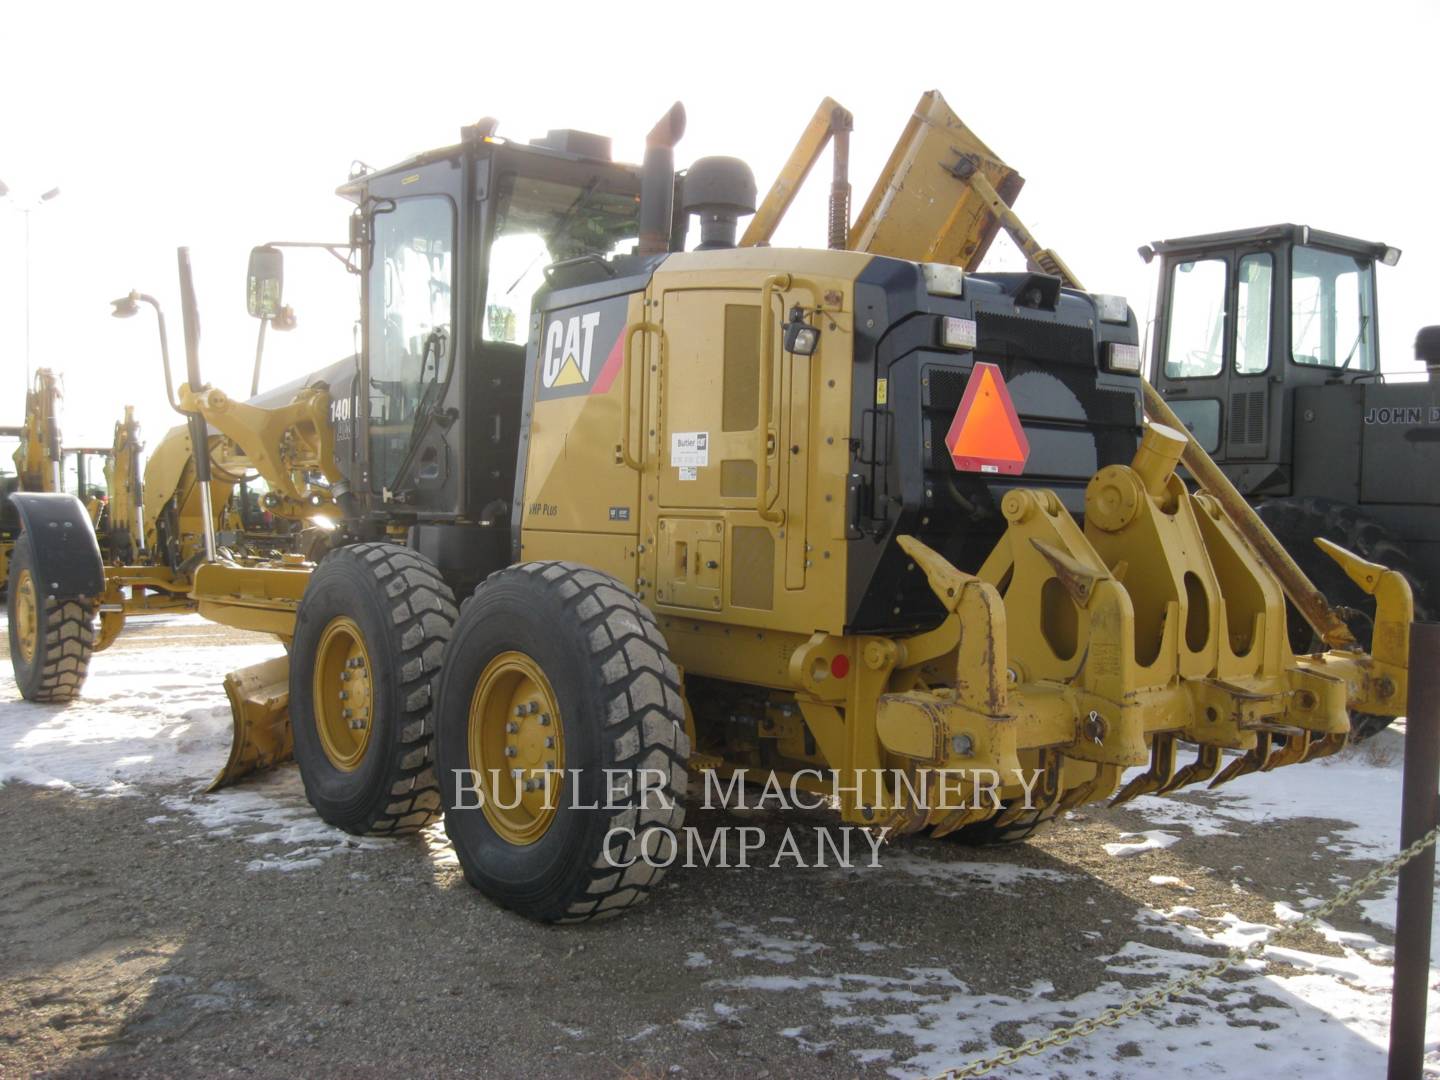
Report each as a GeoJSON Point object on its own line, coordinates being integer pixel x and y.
{"type": "Point", "coordinates": [67, 556]}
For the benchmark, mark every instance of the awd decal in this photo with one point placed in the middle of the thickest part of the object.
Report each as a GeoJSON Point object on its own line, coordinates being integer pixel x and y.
{"type": "Point", "coordinates": [581, 349]}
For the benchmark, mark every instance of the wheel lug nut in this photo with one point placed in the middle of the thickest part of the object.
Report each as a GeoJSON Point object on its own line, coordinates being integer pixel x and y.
{"type": "Point", "coordinates": [344, 695]}
{"type": "Point", "coordinates": [549, 742]}
{"type": "Point", "coordinates": [512, 727]}
{"type": "Point", "coordinates": [510, 751]}
{"type": "Point", "coordinates": [545, 719]}
{"type": "Point", "coordinates": [345, 713]}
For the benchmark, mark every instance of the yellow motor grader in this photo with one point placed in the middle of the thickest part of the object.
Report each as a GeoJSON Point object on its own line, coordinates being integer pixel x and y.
{"type": "Point", "coordinates": [149, 555]}
{"type": "Point", "coordinates": [859, 519]}
{"type": "Point", "coordinates": [30, 457]}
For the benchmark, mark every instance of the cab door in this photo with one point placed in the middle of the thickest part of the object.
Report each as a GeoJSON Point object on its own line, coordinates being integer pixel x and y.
{"type": "Point", "coordinates": [1215, 342]}
{"type": "Point", "coordinates": [1248, 434]}
{"type": "Point", "coordinates": [412, 340]}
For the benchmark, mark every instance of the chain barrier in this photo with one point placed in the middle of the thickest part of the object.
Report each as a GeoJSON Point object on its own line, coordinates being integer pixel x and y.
{"type": "Point", "coordinates": [1136, 1005]}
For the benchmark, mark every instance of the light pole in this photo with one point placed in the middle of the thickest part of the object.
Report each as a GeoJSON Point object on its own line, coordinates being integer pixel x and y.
{"type": "Point", "coordinates": [44, 198]}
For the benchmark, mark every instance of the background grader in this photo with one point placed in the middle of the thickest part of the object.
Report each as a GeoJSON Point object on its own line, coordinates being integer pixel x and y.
{"type": "Point", "coordinates": [30, 456]}
{"type": "Point", "coordinates": [149, 550]}
{"type": "Point", "coordinates": [855, 517]}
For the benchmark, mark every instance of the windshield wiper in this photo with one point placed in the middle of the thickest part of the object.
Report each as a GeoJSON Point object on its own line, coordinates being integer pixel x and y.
{"type": "Point", "coordinates": [1359, 337]}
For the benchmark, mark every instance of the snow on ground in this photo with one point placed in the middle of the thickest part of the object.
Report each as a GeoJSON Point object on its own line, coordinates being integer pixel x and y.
{"type": "Point", "coordinates": [154, 719]}
{"type": "Point", "coordinates": [157, 717]}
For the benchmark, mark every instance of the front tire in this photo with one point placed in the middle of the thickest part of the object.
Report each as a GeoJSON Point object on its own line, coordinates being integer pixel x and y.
{"type": "Point", "coordinates": [50, 640]}
{"type": "Point", "coordinates": [369, 636]}
{"type": "Point", "coordinates": [558, 692]}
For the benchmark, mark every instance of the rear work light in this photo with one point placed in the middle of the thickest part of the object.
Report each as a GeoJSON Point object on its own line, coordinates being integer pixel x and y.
{"type": "Point", "coordinates": [1112, 309]}
{"type": "Point", "coordinates": [956, 333]}
{"type": "Point", "coordinates": [941, 279]}
{"type": "Point", "coordinates": [1122, 357]}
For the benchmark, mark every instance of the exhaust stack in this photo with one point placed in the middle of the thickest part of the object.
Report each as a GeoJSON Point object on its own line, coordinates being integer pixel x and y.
{"type": "Point", "coordinates": [657, 182]}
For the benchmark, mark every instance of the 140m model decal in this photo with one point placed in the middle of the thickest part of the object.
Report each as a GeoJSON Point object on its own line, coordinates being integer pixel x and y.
{"type": "Point", "coordinates": [581, 349]}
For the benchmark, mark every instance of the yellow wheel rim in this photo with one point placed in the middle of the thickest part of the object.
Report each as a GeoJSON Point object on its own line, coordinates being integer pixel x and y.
{"type": "Point", "coordinates": [517, 747]}
{"type": "Point", "coordinates": [27, 616]}
{"type": "Point", "coordinates": [344, 693]}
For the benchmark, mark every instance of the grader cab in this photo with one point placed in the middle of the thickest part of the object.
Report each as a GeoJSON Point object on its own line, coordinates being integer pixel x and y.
{"type": "Point", "coordinates": [856, 520]}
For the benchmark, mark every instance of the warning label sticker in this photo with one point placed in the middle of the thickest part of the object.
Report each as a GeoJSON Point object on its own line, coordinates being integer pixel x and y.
{"type": "Point", "coordinates": [690, 448]}
{"type": "Point", "coordinates": [688, 472]}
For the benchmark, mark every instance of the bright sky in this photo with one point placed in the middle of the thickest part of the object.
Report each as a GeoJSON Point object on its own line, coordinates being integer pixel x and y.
{"type": "Point", "coordinates": [221, 126]}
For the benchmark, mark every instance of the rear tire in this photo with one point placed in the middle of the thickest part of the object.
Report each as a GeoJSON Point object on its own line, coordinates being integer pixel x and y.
{"type": "Point", "coordinates": [364, 732]}
{"type": "Point", "coordinates": [557, 635]}
{"type": "Point", "coordinates": [50, 640]}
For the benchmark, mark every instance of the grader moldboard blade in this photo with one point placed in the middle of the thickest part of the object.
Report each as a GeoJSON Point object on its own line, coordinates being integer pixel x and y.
{"type": "Point", "coordinates": [260, 717]}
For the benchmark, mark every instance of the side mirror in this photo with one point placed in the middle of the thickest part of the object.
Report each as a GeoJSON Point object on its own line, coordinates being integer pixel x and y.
{"type": "Point", "coordinates": [264, 282]}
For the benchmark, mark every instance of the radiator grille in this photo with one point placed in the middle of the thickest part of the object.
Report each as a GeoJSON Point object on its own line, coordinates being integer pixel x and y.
{"type": "Point", "coordinates": [1011, 337]}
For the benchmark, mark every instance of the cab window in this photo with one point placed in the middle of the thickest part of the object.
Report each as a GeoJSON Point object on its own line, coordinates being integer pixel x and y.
{"type": "Point", "coordinates": [1332, 320]}
{"type": "Point", "coordinates": [1253, 290]}
{"type": "Point", "coordinates": [411, 277]}
{"type": "Point", "coordinates": [539, 222]}
{"type": "Point", "coordinates": [1195, 341]}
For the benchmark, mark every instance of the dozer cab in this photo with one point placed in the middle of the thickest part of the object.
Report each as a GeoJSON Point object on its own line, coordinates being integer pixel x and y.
{"type": "Point", "coordinates": [1266, 345]}
{"type": "Point", "coordinates": [857, 521]}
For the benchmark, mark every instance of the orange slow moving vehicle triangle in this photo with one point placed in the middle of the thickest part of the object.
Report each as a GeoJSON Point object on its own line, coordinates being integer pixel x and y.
{"type": "Point", "coordinates": [986, 435]}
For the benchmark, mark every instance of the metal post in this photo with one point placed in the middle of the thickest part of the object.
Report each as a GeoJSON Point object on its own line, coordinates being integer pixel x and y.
{"type": "Point", "coordinates": [1419, 813]}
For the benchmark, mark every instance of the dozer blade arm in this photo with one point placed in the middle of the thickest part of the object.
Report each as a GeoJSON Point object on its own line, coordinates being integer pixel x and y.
{"type": "Point", "coordinates": [831, 121]}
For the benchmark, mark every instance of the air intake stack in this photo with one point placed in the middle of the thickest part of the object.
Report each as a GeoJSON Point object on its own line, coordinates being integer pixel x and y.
{"type": "Point", "coordinates": [719, 189]}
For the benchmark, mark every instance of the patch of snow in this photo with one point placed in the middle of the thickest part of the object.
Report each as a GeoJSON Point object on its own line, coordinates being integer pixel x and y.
{"type": "Point", "coordinates": [958, 877]}
{"type": "Point", "coordinates": [695, 1020]}
{"type": "Point", "coordinates": [1150, 840]}
{"type": "Point", "coordinates": [158, 716]}
{"type": "Point", "coordinates": [750, 943]}
{"type": "Point", "coordinates": [1170, 881]}
{"type": "Point", "coordinates": [1348, 787]}
{"type": "Point", "coordinates": [146, 715]}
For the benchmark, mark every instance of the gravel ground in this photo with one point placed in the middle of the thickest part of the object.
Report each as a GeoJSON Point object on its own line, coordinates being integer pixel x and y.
{"type": "Point", "coordinates": [136, 943]}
